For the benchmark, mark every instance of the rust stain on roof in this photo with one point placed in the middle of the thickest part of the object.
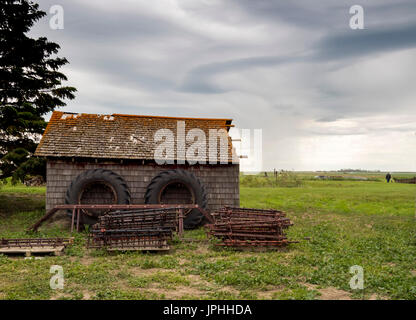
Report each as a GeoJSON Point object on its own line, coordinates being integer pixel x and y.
{"type": "Point", "coordinates": [119, 136]}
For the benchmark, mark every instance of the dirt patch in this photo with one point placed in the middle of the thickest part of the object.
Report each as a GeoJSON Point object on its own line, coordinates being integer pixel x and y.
{"type": "Point", "coordinates": [330, 293]}
{"type": "Point", "coordinates": [146, 272]}
{"type": "Point", "coordinates": [84, 260]}
{"type": "Point", "coordinates": [197, 282]}
{"type": "Point", "coordinates": [268, 294]}
{"type": "Point", "coordinates": [377, 297]}
{"type": "Point", "coordinates": [413, 273]}
{"type": "Point", "coordinates": [61, 222]}
{"type": "Point", "coordinates": [178, 293]}
{"type": "Point", "coordinates": [390, 264]}
{"type": "Point", "coordinates": [202, 249]}
{"type": "Point", "coordinates": [86, 295]}
{"type": "Point", "coordinates": [334, 294]}
{"type": "Point", "coordinates": [61, 296]}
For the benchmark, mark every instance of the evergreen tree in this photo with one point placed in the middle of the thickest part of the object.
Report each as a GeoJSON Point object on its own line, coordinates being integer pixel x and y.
{"type": "Point", "coordinates": [30, 87]}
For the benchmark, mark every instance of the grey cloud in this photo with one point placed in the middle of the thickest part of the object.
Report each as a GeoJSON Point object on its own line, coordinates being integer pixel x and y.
{"type": "Point", "coordinates": [355, 43]}
{"type": "Point", "coordinates": [326, 15]}
{"type": "Point", "coordinates": [151, 63]}
{"type": "Point", "coordinates": [340, 46]}
{"type": "Point", "coordinates": [83, 21]}
{"type": "Point", "coordinates": [331, 118]}
{"type": "Point", "coordinates": [200, 79]}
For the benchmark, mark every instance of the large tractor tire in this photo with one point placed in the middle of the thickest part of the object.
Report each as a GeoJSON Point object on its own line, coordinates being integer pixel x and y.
{"type": "Point", "coordinates": [182, 180]}
{"type": "Point", "coordinates": [111, 181]}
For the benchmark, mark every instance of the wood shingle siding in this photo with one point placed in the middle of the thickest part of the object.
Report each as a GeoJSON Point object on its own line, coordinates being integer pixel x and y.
{"type": "Point", "coordinates": [221, 181]}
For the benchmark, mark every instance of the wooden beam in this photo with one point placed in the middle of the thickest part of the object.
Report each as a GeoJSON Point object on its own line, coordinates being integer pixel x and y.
{"type": "Point", "coordinates": [47, 216]}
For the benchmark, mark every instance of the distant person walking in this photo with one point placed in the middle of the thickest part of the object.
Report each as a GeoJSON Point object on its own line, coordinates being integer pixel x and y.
{"type": "Point", "coordinates": [388, 177]}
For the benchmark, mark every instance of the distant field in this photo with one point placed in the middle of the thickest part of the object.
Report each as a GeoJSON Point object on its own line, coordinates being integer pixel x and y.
{"type": "Point", "coordinates": [307, 175]}
{"type": "Point", "coordinates": [365, 223]}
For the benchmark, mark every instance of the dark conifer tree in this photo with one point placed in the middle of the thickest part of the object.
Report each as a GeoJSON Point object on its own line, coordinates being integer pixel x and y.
{"type": "Point", "coordinates": [30, 87]}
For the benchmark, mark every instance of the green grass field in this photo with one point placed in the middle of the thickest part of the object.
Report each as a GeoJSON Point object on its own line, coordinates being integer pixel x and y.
{"type": "Point", "coordinates": [365, 223]}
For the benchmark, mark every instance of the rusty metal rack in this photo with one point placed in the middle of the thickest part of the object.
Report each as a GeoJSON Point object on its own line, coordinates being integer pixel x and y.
{"type": "Point", "coordinates": [130, 226]}
{"type": "Point", "coordinates": [143, 229]}
{"type": "Point", "coordinates": [246, 227]}
{"type": "Point", "coordinates": [130, 239]}
{"type": "Point", "coordinates": [141, 219]}
{"type": "Point", "coordinates": [77, 211]}
{"type": "Point", "coordinates": [252, 243]}
{"type": "Point", "coordinates": [235, 212]}
{"type": "Point", "coordinates": [34, 245]}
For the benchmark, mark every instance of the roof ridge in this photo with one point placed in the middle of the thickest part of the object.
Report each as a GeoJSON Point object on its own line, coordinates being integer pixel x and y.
{"type": "Point", "coordinates": [167, 117]}
{"type": "Point", "coordinates": [144, 116]}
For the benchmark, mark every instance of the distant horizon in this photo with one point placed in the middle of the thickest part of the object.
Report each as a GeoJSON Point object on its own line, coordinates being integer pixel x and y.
{"type": "Point", "coordinates": [358, 171]}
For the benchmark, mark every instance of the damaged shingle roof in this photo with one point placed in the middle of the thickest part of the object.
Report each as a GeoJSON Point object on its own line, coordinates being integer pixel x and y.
{"type": "Point", "coordinates": [120, 136]}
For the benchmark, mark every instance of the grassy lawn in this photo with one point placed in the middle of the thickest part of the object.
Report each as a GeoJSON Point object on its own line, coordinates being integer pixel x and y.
{"type": "Point", "coordinates": [365, 223]}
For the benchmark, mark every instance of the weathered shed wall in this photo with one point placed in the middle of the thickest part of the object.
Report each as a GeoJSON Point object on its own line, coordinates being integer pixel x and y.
{"type": "Point", "coordinates": [221, 181]}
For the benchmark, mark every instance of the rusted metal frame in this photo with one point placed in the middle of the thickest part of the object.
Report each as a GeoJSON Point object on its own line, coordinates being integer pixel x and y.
{"type": "Point", "coordinates": [206, 214]}
{"type": "Point", "coordinates": [248, 227]}
{"type": "Point", "coordinates": [78, 218]}
{"type": "Point", "coordinates": [119, 232]}
{"type": "Point", "coordinates": [130, 240]}
{"type": "Point", "coordinates": [144, 213]}
{"type": "Point", "coordinates": [134, 221]}
{"type": "Point", "coordinates": [246, 232]}
{"type": "Point", "coordinates": [133, 243]}
{"type": "Point", "coordinates": [137, 220]}
{"type": "Point", "coordinates": [52, 211]}
{"type": "Point", "coordinates": [254, 223]}
{"type": "Point", "coordinates": [136, 225]}
{"type": "Point", "coordinates": [236, 209]}
{"type": "Point", "coordinates": [246, 216]}
{"type": "Point", "coordinates": [253, 243]}
{"type": "Point", "coordinates": [132, 218]}
{"type": "Point", "coordinates": [134, 232]}
{"type": "Point", "coordinates": [105, 239]}
{"type": "Point", "coordinates": [126, 206]}
{"type": "Point", "coordinates": [48, 215]}
{"type": "Point", "coordinates": [172, 227]}
{"type": "Point", "coordinates": [147, 212]}
{"type": "Point", "coordinates": [247, 235]}
{"type": "Point", "coordinates": [35, 242]}
{"type": "Point", "coordinates": [180, 213]}
{"type": "Point", "coordinates": [72, 220]}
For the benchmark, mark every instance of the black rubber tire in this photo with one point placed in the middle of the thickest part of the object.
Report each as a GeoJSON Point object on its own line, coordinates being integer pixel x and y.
{"type": "Point", "coordinates": [194, 218]}
{"type": "Point", "coordinates": [84, 179]}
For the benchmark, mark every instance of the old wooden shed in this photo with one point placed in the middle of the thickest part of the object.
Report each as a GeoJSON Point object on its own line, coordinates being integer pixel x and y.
{"type": "Point", "coordinates": [117, 159]}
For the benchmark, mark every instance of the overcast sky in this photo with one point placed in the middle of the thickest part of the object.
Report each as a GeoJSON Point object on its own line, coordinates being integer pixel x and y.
{"type": "Point", "coordinates": [325, 96]}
